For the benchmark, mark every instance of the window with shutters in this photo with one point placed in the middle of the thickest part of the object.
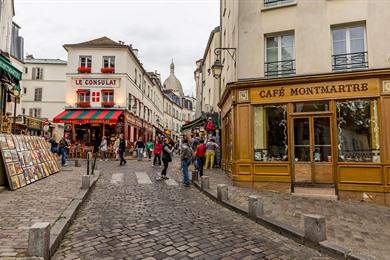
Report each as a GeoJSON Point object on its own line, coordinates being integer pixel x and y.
{"type": "Point", "coordinates": [38, 94]}
{"type": "Point", "coordinates": [35, 112]}
{"type": "Point", "coordinates": [37, 73]}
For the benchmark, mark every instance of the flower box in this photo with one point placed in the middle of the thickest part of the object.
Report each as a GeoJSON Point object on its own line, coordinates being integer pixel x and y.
{"type": "Point", "coordinates": [108, 104]}
{"type": "Point", "coordinates": [83, 104]}
{"type": "Point", "coordinates": [107, 70]}
{"type": "Point", "coordinates": [84, 70]}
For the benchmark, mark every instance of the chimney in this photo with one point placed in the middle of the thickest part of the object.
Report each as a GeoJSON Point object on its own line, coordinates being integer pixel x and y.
{"type": "Point", "coordinates": [29, 56]}
{"type": "Point", "coordinates": [135, 52]}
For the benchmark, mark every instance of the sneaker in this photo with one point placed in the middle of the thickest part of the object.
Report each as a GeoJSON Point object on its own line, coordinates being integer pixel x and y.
{"type": "Point", "coordinates": [106, 159]}
{"type": "Point", "coordinates": [100, 160]}
{"type": "Point", "coordinates": [165, 177]}
{"type": "Point", "coordinates": [187, 185]}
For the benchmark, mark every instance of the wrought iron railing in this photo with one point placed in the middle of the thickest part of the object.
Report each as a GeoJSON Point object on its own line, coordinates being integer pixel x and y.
{"type": "Point", "coordinates": [276, 2]}
{"type": "Point", "coordinates": [279, 68]}
{"type": "Point", "coordinates": [357, 60]}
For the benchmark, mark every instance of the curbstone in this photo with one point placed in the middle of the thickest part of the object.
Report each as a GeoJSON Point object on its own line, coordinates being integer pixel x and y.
{"type": "Point", "coordinates": [255, 206]}
{"type": "Point", "coordinates": [314, 228]}
{"type": "Point", "coordinates": [204, 183]}
{"type": "Point", "coordinates": [222, 192]}
{"type": "Point", "coordinates": [39, 240]}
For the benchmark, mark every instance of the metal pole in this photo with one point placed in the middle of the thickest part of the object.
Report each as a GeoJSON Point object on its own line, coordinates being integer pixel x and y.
{"type": "Point", "coordinates": [94, 162]}
{"type": "Point", "coordinates": [88, 163]}
{"type": "Point", "coordinates": [14, 122]}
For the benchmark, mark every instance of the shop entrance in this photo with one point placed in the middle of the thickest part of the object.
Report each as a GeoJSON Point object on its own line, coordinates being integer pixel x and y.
{"type": "Point", "coordinates": [312, 150]}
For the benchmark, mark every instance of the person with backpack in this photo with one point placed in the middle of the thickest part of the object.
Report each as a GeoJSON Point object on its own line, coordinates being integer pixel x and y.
{"type": "Point", "coordinates": [166, 157]}
{"type": "Point", "coordinates": [200, 156]}
{"type": "Point", "coordinates": [121, 150]}
{"type": "Point", "coordinates": [186, 156]}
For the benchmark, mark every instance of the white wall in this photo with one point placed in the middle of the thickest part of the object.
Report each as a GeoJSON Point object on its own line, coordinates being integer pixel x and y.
{"type": "Point", "coordinates": [6, 15]}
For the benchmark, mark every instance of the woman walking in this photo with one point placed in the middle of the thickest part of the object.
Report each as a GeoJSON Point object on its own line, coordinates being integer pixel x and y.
{"type": "Point", "coordinates": [149, 149]}
{"type": "Point", "coordinates": [166, 157]}
{"type": "Point", "coordinates": [157, 150]}
{"type": "Point", "coordinates": [211, 148]}
{"type": "Point", "coordinates": [121, 150]}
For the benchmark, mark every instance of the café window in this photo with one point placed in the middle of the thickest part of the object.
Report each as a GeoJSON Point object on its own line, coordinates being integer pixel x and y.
{"type": "Point", "coordinates": [270, 133]}
{"type": "Point", "coordinates": [83, 96]}
{"type": "Point", "coordinates": [311, 107]}
{"type": "Point", "coordinates": [86, 61]}
{"type": "Point", "coordinates": [108, 62]}
{"type": "Point", "coordinates": [107, 95]}
{"type": "Point", "coordinates": [358, 131]}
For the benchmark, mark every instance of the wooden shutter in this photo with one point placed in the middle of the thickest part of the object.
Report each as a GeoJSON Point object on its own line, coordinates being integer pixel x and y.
{"type": "Point", "coordinates": [34, 73]}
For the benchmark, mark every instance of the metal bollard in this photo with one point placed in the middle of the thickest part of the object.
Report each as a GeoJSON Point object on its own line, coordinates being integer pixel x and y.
{"type": "Point", "coordinates": [222, 192]}
{"type": "Point", "coordinates": [314, 227]}
{"type": "Point", "coordinates": [205, 183]}
{"type": "Point", "coordinates": [39, 240]}
{"type": "Point", "coordinates": [77, 163]}
{"type": "Point", "coordinates": [255, 206]}
{"type": "Point", "coordinates": [86, 182]}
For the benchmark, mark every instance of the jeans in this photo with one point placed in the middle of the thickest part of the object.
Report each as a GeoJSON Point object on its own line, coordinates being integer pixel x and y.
{"type": "Point", "coordinates": [200, 162]}
{"type": "Point", "coordinates": [121, 156]}
{"type": "Point", "coordinates": [140, 153]}
{"type": "Point", "coordinates": [210, 155]}
{"type": "Point", "coordinates": [157, 159]}
{"type": "Point", "coordinates": [63, 156]}
{"type": "Point", "coordinates": [104, 155]}
{"type": "Point", "coordinates": [185, 164]}
{"type": "Point", "coordinates": [164, 170]}
{"type": "Point", "coordinates": [149, 154]}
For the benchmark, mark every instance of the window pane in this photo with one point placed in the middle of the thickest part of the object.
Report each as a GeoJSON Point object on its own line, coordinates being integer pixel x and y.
{"type": "Point", "coordinates": [270, 133]}
{"type": "Point", "coordinates": [356, 32]}
{"type": "Point", "coordinates": [302, 140]}
{"type": "Point", "coordinates": [339, 48]}
{"type": "Point", "coordinates": [339, 34]}
{"type": "Point", "coordinates": [358, 131]}
{"type": "Point", "coordinates": [322, 144]}
{"type": "Point", "coordinates": [272, 42]}
{"type": "Point", "coordinates": [288, 41]}
{"type": "Point", "coordinates": [357, 45]}
{"type": "Point", "coordinates": [311, 107]}
{"type": "Point", "coordinates": [287, 53]}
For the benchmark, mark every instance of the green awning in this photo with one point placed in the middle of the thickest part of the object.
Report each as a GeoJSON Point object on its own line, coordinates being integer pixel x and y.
{"type": "Point", "coordinates": [14, 74]}
{"type": "Point", "coordinates": [197, 122]}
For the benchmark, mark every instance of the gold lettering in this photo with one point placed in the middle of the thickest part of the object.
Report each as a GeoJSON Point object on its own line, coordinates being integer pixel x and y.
{"type": "Point", "coordinates": [294, 92]}
{"type": "Point", "coordinates": [341, 88]}
{"type": "Point", "coordinates": [364, 87]}
{"type": "Point", "coordinates": [356, 87]}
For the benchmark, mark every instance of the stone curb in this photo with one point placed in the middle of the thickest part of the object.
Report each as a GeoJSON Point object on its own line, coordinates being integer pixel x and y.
{"type": "Point", "coordinates": [286, 230]}
{"type": "Point", "coordinates": [61, 226]}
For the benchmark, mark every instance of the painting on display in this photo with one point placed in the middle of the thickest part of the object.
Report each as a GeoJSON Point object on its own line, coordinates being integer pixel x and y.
{"type": "Point", "coordinates": [26, 159]}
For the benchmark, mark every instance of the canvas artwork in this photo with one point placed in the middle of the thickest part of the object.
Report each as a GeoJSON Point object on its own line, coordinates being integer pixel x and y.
{"type": "Point", "coordinates": [7, 156]}
{"type": "Point", "coordinates": [3, 142]}
{"type": "Point", "coordinates": [10, 142]}
{"type": "Point", "coordinates": [18, 168]}
{"type": "Point", "coordinates": [22, 180]}
{"type": "Point", "coordinates": [15, 182]}
{"type": "Point", "coordinates": [11, 169]}
{"type": "Point", "coordinates": [14, 155]}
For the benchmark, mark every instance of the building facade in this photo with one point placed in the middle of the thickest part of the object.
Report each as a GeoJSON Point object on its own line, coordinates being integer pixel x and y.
{"type": "Point", "coordinates": [108, 92]}
{"type": "Point", "coordinates": [307, 105]}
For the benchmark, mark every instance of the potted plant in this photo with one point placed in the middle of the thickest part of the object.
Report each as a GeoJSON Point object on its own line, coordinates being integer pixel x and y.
{"type": "Point", "coordinates": [108, 103]}
{"type": "Point", "coordinates": [84, 70]}
{"type": "Point", "coordinates": [107, 70]}
{"type": "Point", "coordinates": [83, 104]}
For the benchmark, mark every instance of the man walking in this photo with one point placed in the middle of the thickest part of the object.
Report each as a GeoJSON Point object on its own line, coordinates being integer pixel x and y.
{"type": "Point", "coordinates": [103, 148]}
{"type": "Point", "coordinates": [157, 150]}
{"type": "Point", "coordinates": [63, 146]}
{"type": "Point", "coordinates": [121, 150]}
{"type": "Point", "coordinates": [140, 146]}
{"type": "Point", "coordinates": [166, 157]}
{"type": "Point", "coordinates": [149, 149]}
{"type": "Point", "coordinates": [186, 155]}
{"type": "Point", "coordinates": [211, 148]}
{"type": "Point", "coordinates": [200, 156]}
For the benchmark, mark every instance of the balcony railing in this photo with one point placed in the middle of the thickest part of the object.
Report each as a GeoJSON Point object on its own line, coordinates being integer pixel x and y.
{"type": "Point", "coordinates": [276, 2]}
{"type": "Point", "coordinates": [350, 61]}
{"type": "Point", "coordinates": [279, 68]}
{"type": "Point", "coordinates": [83, 104]}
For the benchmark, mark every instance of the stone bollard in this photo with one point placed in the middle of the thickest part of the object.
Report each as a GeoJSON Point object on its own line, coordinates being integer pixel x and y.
{"type": "Point", "coordinates": [85, 182]}
{"type": "Point", "coordinates": [39, 240]}
{"type": "Point", "coordinates": [77, 163]}
{"type": "Point", "coordinates": [195, 176]}
{"type": "Point", "coordinates": [255, 206]}
{"type": "Point", "coordinates": [315, 229]}
{"type": "Point", "coordinates": [205, 183]}
{"type": "Point", "coordinates": [222, 192]}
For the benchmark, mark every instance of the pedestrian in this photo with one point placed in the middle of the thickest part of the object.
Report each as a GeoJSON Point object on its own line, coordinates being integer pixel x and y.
{"type": "Point", "coordinates": [140, 146]}
{"type": "Point", "coordinates": [186, 156]}
{"type": "Point", "coordinates": [121, 150]}
{"type": "Point", "coordinates": [194, 145]}
{"type": "Point", "coordinates": [53, 145]}
{"type": "Point", "coordinates": [157, 150]}
{"type": "Point", "coordinates": [200, 156]}
{"type": "Point", "coordinates": [166, 157]}
{"type": "Point", "coordinates": [149, 149]}
{"type": "Point", "coordinates": [63, 146]}
{"type": "Point", "coordinates": [211, 147]}
{"type": "Point", "coordinates": [103, 149]}
{"type": "Point", "coordinates": [116, 148]}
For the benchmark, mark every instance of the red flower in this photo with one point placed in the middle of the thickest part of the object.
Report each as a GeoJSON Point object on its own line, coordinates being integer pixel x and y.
{"type": "Point", "coordinates": [84, 69]}
{"type": "Point", "coordinates": [108, 104]}
{"type": "Point", "coordinates": [83, 104]}
{"type": "Point", "coordinates": [108, 70]}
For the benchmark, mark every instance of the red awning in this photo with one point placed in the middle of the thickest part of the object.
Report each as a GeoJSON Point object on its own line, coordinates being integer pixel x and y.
{"type": "Point", "coordinates": [88, 116]}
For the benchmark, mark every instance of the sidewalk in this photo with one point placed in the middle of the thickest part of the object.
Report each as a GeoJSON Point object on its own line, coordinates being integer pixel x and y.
{"type": "Point", "coordinates": [361, 227]}
{"type": "Point", "coordinates": [43, 201]}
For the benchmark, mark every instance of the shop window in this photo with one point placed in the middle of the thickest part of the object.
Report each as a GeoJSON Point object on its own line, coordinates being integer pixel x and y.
{"type": "Point", "coordinates": [280, 57]}
{"type": "Point", "coordinates": [358, 131]}
{"type": "Point", "coordinates": [349, 48]}
{"type": "Point", "coordinates": [270, 133]}
{"type": "Point", "coordinates": [311, 107]}
{"type": "Point", "coordinates": [107, 96]}
{"type": "Point", "coordinates": [95, 96]}
{"type": "Point", "coordinates": [83, 96]}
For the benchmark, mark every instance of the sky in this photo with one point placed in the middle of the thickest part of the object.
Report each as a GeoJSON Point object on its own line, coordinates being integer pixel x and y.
{"type": "Point", "coordinates": [162, 30]}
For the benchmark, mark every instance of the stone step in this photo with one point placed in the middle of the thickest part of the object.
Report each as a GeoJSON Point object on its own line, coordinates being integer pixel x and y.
{"type": "Point", "coordinates": [312, 192]}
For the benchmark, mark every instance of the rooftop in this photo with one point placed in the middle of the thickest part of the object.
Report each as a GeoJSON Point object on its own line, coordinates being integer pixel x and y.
{"type": "Point", "coordinates": [45, 61]}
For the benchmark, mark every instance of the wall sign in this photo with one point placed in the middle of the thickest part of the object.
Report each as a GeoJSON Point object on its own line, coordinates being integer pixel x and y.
{"type": "Point", "coordinates": [97, 83]}
{"type": "Point", "coordinates": [328, 90]}
{"type": "Point", "coordinates": [386, 86]}
{"type": "Point", "coordinates": [68, 127]}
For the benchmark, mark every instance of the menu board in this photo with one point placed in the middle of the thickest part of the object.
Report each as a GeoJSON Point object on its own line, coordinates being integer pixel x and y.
{"type": "Point", "coordinates": [26, 159]}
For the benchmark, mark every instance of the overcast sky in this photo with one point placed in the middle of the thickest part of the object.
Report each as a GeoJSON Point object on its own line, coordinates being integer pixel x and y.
{"type": "Point", "coordinates": [161, 29]}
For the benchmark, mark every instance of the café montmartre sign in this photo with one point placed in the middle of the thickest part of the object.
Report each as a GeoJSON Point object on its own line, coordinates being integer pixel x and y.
{"type": "Point", "coordinates": [97, 83]}
{"type": "Point", "coordinates": [330, 90]}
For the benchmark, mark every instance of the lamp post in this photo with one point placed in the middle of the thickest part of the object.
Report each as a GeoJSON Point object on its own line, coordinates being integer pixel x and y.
{"type": "Point", "coordinates": [218, 66]}
{"type": "Point", "coordinates": [16, 98]}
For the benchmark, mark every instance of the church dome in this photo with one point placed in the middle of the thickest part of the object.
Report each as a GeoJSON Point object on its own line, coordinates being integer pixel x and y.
{"type": "Point", "coordinates": [172, 83]}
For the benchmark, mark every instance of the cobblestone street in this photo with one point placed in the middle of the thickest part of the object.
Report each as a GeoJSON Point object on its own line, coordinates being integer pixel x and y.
{"type": "Point", "coordinates": [363, 228]}
{"type": "Point", "coordinates": [131, 215]}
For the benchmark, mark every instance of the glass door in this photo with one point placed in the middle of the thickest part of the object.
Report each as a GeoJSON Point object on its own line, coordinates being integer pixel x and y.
{"type": "Point", "coordinates": [312, 149]}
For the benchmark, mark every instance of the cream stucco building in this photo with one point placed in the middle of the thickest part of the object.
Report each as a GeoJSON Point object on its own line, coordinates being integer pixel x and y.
{"type": "Point", "coordinates": [304, 100]}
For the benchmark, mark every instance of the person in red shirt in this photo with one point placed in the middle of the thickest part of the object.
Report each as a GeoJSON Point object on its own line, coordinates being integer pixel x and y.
{"type": "Point", "coordinates": [157, 150]}
{"type": "Point", "coordinates": [200, 156]}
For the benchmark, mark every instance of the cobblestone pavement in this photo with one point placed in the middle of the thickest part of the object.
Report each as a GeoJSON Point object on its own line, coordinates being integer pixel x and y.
{"type": "Point", "coordinates": [43, 201]}
{"type": "Point", "coordinates": [131, 215]}
{"type": "Point", "coordinates": [361, 227]}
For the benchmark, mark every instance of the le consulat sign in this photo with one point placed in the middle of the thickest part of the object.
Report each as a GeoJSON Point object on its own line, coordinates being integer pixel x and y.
{"type": "Point", "coordinates": [310, 91]}
{"type": "Point", "coordinates": [97, 83]}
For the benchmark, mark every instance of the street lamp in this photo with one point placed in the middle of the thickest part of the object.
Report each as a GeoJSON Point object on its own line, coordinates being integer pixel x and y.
{"type": "Point", "coordinates": [218, 66]}
{"type": "Point", "coordinates": [16, 97]}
